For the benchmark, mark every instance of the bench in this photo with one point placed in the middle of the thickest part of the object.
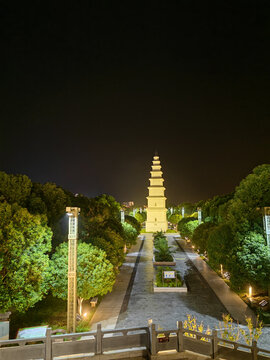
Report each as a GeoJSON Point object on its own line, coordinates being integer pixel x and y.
{"type": "Point", "coordinates": [94, 301]}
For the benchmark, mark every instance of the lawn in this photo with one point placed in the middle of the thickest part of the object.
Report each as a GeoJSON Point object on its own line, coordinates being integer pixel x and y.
{"type": "Point", "coordinates": [49, 311]}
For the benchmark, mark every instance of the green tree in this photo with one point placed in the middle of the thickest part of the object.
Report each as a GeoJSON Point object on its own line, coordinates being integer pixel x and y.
{"type": "Point", "coordinates": [252, 194]}
{"type": "Point", "coordinates": [201, 235]}
{"type": "Point", "coordinates": [140, 217]}
{"type": "Point", "coordinates": [24, 265]}
{"type": "Point", "coordinates": [130, 233]}
{"type": "Point", "coordinates": [15, 188]}
{"type": "Point", "coordinates": [174, 218]}
{"type": "Point", "coordinates": [95, 275]}
{"type": "Point", "coordinates": [211, 207]}
{"type": "Point", "coordinates": [251, 261]}
{"type": "Point", "coordinates": [186, 226]}
{"type": "Point", "coordinates": [220, 246]}
{"type": "Point", "coordinates": [100, 225]}
{"type": "Point", "coordinates": [133, 222]}
{"type": "Point", "coordinates": [189, 208]}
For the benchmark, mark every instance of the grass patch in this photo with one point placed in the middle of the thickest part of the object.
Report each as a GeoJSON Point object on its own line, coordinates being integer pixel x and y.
{"type": "Point", "coordinates": [50, 311]}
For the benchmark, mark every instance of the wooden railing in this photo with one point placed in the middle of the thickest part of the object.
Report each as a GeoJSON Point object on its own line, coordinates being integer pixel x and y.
{"type": "Point", "coordinates": [143, 341]}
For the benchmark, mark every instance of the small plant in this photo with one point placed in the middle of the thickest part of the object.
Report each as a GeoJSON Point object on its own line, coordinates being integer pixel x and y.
{"type": "Point", "coordinates": [254, 332]}
{"type": "Point", "coordinates": [163, 253]}
{"type": "Point", "coordinates": [159, 234]}
{"type": "Point", "coordinates": [83, 326]}
{"type": "Point", "coordinates": [191, 324]}
{"type": "Point", "coordinates": [163, 250]}
{"type": "Point", "coordinates": [231, 331]}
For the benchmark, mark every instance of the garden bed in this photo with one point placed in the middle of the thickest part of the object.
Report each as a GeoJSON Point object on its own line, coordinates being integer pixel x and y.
{"type": "Point", "coordinates": [163, 263]}
{"type": "Point", "coordinates": [168, 285]}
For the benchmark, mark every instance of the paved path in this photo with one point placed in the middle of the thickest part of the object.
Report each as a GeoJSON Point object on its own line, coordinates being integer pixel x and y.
{"type": "Point", "coordinates": [163, 308]}
{"type": "Point", "coordinates": [131, 306]}
{"type": "Point", "coordinates": [234, 305]}
{"type": "Point", "coordinates": [108, 310]}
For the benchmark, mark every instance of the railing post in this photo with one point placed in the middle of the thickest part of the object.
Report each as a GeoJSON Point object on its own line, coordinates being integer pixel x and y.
{"type": "Point", "coordinates": [214, 344]}
{"type": "Point", "coordinates": [180, 336]}
{"type": "Point", "coordinates": [99, 340]}
{"type": "Point", "coordinates": [153, 339]}
{"type": "Point", "coordinates": [48, 344]}
{"type": "Point", "coordinates": [254, 350]}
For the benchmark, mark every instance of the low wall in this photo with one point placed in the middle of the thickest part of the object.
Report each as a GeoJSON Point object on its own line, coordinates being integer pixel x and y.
{"type": "Point", "coordinates": [127, 343]}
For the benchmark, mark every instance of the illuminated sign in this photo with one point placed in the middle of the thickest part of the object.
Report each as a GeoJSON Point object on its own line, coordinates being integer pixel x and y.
{"type": "Point", "coordinates": [169, 274]}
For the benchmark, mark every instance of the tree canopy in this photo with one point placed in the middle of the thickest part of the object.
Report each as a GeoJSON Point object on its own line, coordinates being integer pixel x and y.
{"type": "Point", "coordinates": [95, 274]}
{"type": "Point", "coordinates": [25, 240]}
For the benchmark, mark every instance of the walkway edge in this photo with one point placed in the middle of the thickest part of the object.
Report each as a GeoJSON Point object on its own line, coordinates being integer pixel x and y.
{"type": "Point", "coordinates": [235, 306]}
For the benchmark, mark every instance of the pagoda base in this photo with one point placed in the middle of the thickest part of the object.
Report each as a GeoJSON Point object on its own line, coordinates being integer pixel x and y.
{"type": "Point", "coordinates": [156, 226]}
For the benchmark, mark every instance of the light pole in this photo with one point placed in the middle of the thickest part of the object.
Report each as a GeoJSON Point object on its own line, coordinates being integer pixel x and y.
{"type": "Point", "coordinates": [73, 213]}
{"type": "Point", "coordinates": [183, 212]}
{"type": "Point", "coordinates": [266, 225]}
{"type": "Point", "coordinates": [199, 215]}
{"type": "Point", "coordinates": [122, 216]}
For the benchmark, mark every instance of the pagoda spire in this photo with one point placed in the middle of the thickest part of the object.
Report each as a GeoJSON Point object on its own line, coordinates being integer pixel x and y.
{"type": "Point", "coordinates": [156, 210]}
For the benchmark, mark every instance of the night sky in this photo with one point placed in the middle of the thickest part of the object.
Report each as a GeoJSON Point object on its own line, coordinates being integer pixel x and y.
{"type": "Point", "coordinates": [90, 90]}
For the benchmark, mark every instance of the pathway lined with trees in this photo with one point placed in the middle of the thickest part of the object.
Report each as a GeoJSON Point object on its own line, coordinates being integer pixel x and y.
{"type": "Point", "coordinates": [166, 308]}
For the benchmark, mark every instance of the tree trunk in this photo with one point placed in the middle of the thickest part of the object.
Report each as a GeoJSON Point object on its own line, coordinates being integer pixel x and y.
{"type": "Point", "coordinates": [80, 301]}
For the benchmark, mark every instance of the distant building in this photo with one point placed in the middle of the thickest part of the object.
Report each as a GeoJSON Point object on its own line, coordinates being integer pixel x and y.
{"type": "Point", "coordinates": [156, 210]}
{"type": "Point", "coordinates": [128, 204]}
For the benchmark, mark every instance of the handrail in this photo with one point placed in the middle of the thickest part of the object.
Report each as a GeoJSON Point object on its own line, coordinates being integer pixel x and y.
{"type": "Point", "coordinates": [146, 337]}
{"type": "Point", "coordinates": [196, 333]}
{"type": "Point", "coordinates": [18, 341]}
{"type": "Point", "coordinates": [145, 328]}
{"type": "Point", "coordinates": [234, 343]}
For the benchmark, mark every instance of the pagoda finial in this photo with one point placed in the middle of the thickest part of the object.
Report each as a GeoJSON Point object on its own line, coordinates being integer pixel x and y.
{"type": "Point", "coordinates": [156, 152]}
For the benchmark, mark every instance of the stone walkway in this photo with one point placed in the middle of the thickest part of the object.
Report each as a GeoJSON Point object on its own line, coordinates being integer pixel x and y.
{"type": "Point", "coordinates": [165, 309]}
{"type": "Point", "coordinates": [233, 304]}
{"type": "Point", "coordinates": [111, 305]}
{"type": "Point", "coordinates": [133, 303]}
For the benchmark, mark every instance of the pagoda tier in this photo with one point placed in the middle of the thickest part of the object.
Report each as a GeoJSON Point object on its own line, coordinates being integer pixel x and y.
{"type": "Point", "coordinates": [156, 210]}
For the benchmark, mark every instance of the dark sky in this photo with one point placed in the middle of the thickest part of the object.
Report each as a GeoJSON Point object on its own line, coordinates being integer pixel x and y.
{"type": "Point", "coordinates": [89, 90]}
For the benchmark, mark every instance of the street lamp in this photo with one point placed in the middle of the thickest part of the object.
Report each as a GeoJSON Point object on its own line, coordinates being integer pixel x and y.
{"type": "Point", "coordinates": [199, 215]}
{"type": "Point", "coordinates": [266, 225]}
{"type": "Point", "coordinates": [73, 213]}
{"type": "Point", "coordinates": [122, 216]}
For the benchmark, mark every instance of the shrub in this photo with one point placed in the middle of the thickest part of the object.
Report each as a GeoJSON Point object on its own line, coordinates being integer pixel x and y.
{"type": "Point", "coordinates": [130, 233]}
{"type": "Point", "coordinates": [133, 222]}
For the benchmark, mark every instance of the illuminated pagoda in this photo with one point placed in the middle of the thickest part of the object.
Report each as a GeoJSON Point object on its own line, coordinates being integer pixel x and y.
{"type": "Point", "coordinates": [156, 210]}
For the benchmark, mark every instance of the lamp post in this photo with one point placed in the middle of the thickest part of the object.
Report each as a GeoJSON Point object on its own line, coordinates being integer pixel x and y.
{"type": "Point", "coordinates": [122, 216]}
{"type": "Point", "coordinates": [266, 225]}
{"type": "Point", "coordinates": [183, 212]}
{"type": "Point", "coordinates": [199, 215]}
{"type": "Point", "coordinates": [73, 213]}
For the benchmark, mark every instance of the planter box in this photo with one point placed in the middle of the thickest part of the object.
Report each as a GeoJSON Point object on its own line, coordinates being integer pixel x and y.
{"type": "Point", "coordinates": [182, 289]}
{"type": "Point", "coordinates": [163, 263]}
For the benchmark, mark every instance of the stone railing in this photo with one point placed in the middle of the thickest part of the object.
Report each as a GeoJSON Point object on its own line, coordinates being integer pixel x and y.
{"type": "Point", "coordinates": [145, 342]}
